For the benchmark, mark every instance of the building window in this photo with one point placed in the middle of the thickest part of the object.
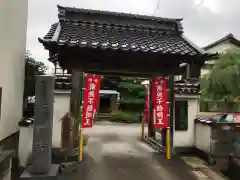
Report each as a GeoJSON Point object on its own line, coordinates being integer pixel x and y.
{"type": "Point", "coordinates": [181, 115]}
{"type": "Point", "coordinates": [178, 77]}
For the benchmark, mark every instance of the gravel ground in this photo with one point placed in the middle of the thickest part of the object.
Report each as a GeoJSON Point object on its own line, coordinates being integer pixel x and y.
{"type": "Point", "coordinates": [114, 152]}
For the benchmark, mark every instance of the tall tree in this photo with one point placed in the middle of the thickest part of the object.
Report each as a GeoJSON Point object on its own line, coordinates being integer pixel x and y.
{"type": "Point", "coordinates": [222, 83]}
{"type": "Point", "coordinates": [32, 68]}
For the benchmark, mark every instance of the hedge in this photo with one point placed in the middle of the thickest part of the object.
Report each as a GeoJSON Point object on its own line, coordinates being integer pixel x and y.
{"type": "Point", "coordinates": [132, 106]}
{"type": "Point", "coordinates": [125, 117]}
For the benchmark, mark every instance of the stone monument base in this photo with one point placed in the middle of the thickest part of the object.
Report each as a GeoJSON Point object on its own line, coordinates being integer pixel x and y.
{"type": "Point", "coordinates": [51, 175]}
{"type": "Point", "coordinates": [58, 156]}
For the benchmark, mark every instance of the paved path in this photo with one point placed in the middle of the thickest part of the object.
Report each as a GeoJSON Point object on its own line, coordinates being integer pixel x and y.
{"type": "Point", "coordinates": [114, 152]}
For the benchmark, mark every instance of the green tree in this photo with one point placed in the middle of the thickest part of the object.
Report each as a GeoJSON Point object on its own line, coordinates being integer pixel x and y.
{"type": "Point", "coordinates": [32, 68]}
{"type": "Point", "coordinates": [133, 94]}
{"type": "Point", "coordinates": [222, 84]}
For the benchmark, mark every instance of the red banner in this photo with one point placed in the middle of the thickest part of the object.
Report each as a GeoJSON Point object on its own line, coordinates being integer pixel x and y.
{"type": "Point", "coordinates": [146, 110]}
{"type": "Point", "coordinates": [160, 106]}
{"type": "Point", "coordinates": [91, 96]}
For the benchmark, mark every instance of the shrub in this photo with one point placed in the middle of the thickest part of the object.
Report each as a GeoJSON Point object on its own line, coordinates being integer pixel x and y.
{"type": "Point", "coordinates": [132, 105]}
{"type": "Point", "coordinates": [126, 117]}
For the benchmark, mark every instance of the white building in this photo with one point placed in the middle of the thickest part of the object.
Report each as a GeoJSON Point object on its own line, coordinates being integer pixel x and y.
{"type": "Point", "coordinates": [228, 42]}
{"type": "Point", "coordinates": [13, 20]}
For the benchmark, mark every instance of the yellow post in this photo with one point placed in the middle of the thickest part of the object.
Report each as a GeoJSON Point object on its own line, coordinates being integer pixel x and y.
{"type": "Point", "coordinates": [143, 123]}
{"type": "Point", "coordinates": [168, 144]}
{"type": "Point", "coordinates": [81, 145]}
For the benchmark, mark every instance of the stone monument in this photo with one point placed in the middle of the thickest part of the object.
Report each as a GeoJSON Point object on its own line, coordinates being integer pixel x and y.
{"type": "Point", "coordinates": [41, 166]}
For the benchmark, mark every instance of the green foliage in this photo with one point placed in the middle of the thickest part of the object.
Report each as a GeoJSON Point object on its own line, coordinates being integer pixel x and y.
{"type": "Point", "coordinates": [222, 83]}
{"type": "Point", "coordinates": [133, 94]}
{"type": "Point", "coordinates": [32, 68]}
{"type": "Point", "coordinates": [126, 117]}
{"type": "Point", "coordinates": [133, 105]}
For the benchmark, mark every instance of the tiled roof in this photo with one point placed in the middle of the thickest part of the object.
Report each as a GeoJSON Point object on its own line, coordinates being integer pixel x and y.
{"type": "Point", "coordinates": [191, 82]}
{"type": "Point", "coordinates": [119, 31]}
{"type": "Point", "coordinates": [118, 37]}
{"type": "Point", "coordinates": [229, 37]}
{"type": "Point", "coordinates": [187, 86]}
{"type": "Point", "coordinates": [62, 14]}
{"type": "Point", "coordinates": [204, 120]}
{"type": "Point", "coordinates": [51, 32]}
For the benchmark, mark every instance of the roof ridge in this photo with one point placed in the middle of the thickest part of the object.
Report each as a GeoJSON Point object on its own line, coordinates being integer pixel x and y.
{"type": "Point", "coordinates": [197, 48]}
{"type": "Point", "coordinates": [144, 27]}
{"type": "Point", "coordinates": [228, 36]}
{"type": "Point", "coordinates": [112, 13]}
{"type": "Point", "coordinates": [51, 31]}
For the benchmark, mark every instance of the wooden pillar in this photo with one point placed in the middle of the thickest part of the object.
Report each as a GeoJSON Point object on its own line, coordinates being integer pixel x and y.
{"type": "Point", "coordinates": [151, 130]}
{"type": "Point", "coordinates": [171, 108]}
{"type": "Point", "coordinates": [75, 101]}
{"type": "Point", "coordinates": [70, 122]}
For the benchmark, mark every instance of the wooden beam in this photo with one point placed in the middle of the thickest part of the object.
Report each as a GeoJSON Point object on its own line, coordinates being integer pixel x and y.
{"type": "Point", "coordinates": [107, 61]}
{"type": "Point", "coordinates": [106, 68]}
{"type": "Point", "coordinates": [151, 130]}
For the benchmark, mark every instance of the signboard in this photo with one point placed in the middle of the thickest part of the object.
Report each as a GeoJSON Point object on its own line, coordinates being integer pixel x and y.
{"type": "Point", "coordinates": [160, 106]}
{"type": "Point", "coordinates": [91, 94]}
{"type": "Point", "coordinates": [146, 110]}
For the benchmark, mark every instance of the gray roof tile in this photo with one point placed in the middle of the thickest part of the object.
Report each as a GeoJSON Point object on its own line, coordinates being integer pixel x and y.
{"type": "Point", "coordinates": [120, 37]}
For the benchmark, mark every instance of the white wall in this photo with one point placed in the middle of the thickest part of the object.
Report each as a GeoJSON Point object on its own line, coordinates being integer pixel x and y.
{"type": "Point", "coordinates": [223, 47]}
{"type": "Point", "coordinates": [13, 26]}
{"type": "Point", "coordinates": [186, 138]}
{"type": "Point", "coordinates": [25, 144]}
{"type": "Point", "coordinates": [220, 48]}
{"type": "Point", "coordinates": [203, 137]}
{"type": "Point", "coordinates": [61, 107]}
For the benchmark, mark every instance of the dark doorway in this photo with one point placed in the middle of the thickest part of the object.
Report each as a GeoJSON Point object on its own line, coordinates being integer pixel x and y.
{"type": "Point", "coordinates": [105, 103]}
{"type": "Point", "coordinates": [181, 115]}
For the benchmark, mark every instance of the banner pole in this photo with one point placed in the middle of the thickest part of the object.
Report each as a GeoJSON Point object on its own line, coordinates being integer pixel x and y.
{"type": "Point", "coordinates": [143, 123]}
{"type": "Point", "coordinates": [81, 145]}
{"type": "Point", "coordinates": [146, 110]}
{"type": "Point", "coordinates": [80, 124]}
{"type": "Point", "coordinates": [168, 144]}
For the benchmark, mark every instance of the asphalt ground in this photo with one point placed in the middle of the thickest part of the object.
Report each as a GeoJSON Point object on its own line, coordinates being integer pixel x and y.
{"type": "Point", "coordinates": [115, 152]}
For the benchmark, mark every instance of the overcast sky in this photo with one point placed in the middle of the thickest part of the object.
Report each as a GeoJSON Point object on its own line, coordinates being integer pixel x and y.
{"type": "Point", "coordinates": [209, 22]}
